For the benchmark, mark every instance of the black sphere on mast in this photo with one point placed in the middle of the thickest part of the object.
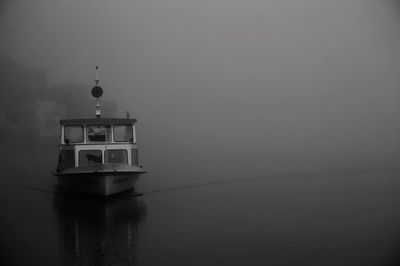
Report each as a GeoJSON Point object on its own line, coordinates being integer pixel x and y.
{"type": "Point", "coordinates": [97, 91]}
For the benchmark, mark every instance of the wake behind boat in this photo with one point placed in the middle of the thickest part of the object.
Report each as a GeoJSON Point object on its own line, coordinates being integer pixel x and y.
{"type": "Point", "coordinates": [98, 156]}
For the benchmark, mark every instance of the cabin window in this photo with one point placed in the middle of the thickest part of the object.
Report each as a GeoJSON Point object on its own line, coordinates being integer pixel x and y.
{"type": "Point", "coordinates": [90, 157]}
{"type": "Point", "coordinates": [73, 134]}
{"type": "Point", "coordinates": [98, 133]}
{"type": "Point", "coordinates": [117, 156]}
{"type": "Point", "coordinates": [135, 157]}
{"type": "Point", "coordinates": [69, 158]}
{"type": "Point", "coordinates": [123, 133]}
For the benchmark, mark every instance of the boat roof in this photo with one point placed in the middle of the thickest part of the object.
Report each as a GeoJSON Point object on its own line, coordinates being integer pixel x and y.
{"type": "Point", "coordinates": [98, 121]}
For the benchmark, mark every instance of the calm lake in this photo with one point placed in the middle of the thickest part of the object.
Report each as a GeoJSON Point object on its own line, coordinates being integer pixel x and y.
{"type": "Point", "coordinates": [348, 218]}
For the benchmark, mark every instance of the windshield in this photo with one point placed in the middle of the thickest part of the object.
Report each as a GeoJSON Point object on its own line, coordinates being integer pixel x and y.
{"type": "Point", "coordinates": [90, 157]}
{"type": "Point", "coordinates": [73, 134]}
{"type": "Point", "coordinates": [117, 156]}
{"type": "Point", "coordinates": [123, 133]}
{"type": "Point", "coordinates": [98, 133]}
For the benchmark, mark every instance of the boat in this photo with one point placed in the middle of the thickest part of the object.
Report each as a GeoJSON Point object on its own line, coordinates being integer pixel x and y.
{"type": "Point", "coordinates": [98, 156]}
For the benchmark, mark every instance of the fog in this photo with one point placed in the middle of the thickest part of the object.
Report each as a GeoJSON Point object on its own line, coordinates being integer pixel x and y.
{"type": "Point", "coordinates": [229, 88]}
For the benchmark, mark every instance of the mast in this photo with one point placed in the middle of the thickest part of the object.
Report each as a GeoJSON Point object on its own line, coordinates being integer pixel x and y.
{"type": "Point", "coordinates": [97, 92]}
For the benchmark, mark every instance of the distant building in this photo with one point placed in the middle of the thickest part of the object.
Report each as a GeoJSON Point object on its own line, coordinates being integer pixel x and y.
{"type": "Point", "coordinates": [27, 105]}
{"type": "Point", "coordinates": [20, 86]}
{"type": "Point", "coordinates": [48, 113]}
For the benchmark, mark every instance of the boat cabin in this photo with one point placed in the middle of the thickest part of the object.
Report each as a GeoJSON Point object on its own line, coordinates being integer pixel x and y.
{"type": "Point", "coordinates": [91, 141]}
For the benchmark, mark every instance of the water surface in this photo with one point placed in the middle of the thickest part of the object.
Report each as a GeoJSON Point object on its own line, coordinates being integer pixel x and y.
{"type": "Point", "coordinates": [348, 218]}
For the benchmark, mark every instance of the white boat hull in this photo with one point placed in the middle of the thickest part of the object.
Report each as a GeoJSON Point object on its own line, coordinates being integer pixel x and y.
{"type": "Point", "coordinates": [104, 180]}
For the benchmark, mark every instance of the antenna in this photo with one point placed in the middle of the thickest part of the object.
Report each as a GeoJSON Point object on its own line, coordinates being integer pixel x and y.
{"type": "Point", "coordinates": [97, 92]}
{"type": "Point", "coordinates": [97, 80]}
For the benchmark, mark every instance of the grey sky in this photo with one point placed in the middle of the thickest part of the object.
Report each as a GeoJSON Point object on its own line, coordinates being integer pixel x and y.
{"type": "Point", "coordinates": [246, 85]}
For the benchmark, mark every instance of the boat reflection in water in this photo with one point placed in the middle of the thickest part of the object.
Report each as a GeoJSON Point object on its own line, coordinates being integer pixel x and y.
{"type": "Point", "coordinates": [95, 231]}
